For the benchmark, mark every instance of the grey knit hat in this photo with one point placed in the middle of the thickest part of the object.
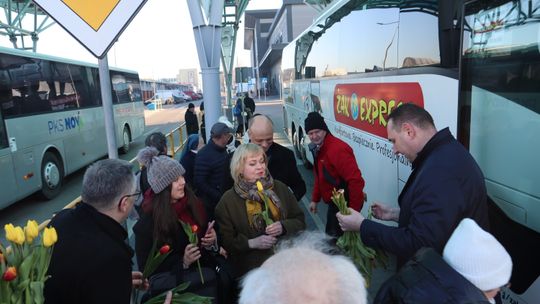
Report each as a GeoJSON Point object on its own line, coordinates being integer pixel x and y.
{"type": "Point", "coordinates": [161, 169]}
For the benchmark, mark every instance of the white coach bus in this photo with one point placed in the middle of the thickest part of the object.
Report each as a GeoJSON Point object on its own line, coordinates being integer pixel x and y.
{"type": "Point", "coordinates": [474, 65]}
{"type": "Point", "coordinates": [51, 120]}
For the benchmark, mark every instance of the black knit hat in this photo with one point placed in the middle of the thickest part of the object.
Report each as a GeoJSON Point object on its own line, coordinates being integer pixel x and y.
{"type": "Point", "coordinates": [314, 121]}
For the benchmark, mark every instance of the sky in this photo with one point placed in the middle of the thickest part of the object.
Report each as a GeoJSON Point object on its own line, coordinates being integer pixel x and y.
{"type": "Point", "coordinates": [157, 43]}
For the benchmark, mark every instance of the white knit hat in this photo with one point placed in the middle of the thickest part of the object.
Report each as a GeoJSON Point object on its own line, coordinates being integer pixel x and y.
{"type": "Point", "coordinates": [478, 256]}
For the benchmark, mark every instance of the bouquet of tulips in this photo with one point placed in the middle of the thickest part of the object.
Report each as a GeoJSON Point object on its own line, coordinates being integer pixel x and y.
{"type": "Point", "coordinates": [365, 258]}
{"type": "Point", "coordinates": [191, 232]}
{"type": "Point", "coordinates": [266, 216]}
{"type": "Point", "coordinates": [24, 264]}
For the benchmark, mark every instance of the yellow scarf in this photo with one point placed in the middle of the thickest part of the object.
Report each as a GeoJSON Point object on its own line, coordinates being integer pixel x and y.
{"type": "Point", "coordinates": [254, 210]}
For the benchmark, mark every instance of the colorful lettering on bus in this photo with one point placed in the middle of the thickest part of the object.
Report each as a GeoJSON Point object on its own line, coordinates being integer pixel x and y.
{"type": "Point", "coordinates": [366, 106]}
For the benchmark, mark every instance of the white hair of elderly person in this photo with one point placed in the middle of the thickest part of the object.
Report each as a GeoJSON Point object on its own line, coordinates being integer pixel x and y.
{"type": "Point", "coordinates": [303, 270]}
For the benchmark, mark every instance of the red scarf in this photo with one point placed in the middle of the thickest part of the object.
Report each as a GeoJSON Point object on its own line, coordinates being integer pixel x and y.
{"type": "Point", "coordinates": [182, 211]}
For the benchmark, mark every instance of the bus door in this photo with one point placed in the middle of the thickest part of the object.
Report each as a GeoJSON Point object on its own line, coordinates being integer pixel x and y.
{"type": "Point", "coordinates": [7, 176]}
{"type": "Point", "coordinates": [500, 124]}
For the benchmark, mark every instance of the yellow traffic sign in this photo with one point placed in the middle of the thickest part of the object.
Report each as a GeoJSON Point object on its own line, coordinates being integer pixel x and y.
{"type": "Point", "coordinates": [96, 24]}
{"type": "Point", "coordinates": [92, 12]}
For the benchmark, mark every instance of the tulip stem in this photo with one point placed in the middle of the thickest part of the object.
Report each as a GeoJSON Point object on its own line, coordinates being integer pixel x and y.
{"type": "Point", "coordinates": [200, 271]}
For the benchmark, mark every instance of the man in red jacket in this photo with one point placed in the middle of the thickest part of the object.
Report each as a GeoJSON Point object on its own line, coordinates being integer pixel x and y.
{"type": "Point", "coordinates": [335, 167]}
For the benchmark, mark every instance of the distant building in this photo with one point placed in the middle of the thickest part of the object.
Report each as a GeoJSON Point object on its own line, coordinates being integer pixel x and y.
{"type": "Point", "coordinates": [267, 32]}
{"type": "Point", "coordinates": [188, 77]}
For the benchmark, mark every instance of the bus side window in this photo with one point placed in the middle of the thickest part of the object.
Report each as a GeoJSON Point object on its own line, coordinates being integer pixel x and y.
{"type": "Point", "coordinates": [3, 134]}
{"type": "Point", "coordinates": [8, 104]}
{"type": "Point", "coordinates": [32, 102]}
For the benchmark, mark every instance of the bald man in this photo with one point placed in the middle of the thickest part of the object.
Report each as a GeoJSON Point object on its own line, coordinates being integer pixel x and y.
{"type": "Point", "coordinates": [281, 161]}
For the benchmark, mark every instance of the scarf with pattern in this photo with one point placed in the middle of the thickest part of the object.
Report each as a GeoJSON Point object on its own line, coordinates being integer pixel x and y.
{"type": "Point", "coordinates": [254, 203]}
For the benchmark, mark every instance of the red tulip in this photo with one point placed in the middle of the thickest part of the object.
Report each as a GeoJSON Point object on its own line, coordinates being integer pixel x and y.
{"type": "Point", "coordinates": [10, 274]}
{"type": "Point", "coordinates": [164, 249]}
{"type": "Point", "coordinates": [194, 228]}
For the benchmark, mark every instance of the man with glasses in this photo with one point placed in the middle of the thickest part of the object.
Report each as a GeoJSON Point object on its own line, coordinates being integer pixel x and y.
{"type": "Point", "coordinates": [91, 262]}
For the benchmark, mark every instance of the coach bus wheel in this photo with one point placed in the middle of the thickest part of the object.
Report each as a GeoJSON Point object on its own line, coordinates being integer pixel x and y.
{"type": "Point", "coordinates": [52, 174]}
{"type": "Point", "coordinates": [296, 145]}
{"type": "Point", "coordinates": [303, 152]}
{"type": "Point", "coordinates": [126, 139]}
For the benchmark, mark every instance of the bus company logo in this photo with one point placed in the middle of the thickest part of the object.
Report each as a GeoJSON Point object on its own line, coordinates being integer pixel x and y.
{"type": "Point", "coordinates": [366, 106]}
{"type": "Point", "coordinates": [64, 124]}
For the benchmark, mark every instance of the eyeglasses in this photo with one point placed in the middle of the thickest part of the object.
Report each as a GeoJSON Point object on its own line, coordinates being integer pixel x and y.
{"type": "Point", "coordinates": [136, 195]}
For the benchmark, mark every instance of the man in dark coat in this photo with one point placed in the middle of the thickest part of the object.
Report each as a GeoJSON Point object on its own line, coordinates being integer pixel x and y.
{"type": "Point", "coordinates": [192, 125]}
{"type": "Point", "coordinates": [335, 168]}
{"type": "Point", "coordinates": [249, 108]}
{"type": "Point", "coordinates": [210, 167]}
{"type": "Point", "coordinates": [445, 186]}
{"type": "Point", "coordinates": [91, 262]}
{"type": "Point", "coordinates": [281, 161]}
{"type": "Point", "coordinates": [473, 268]}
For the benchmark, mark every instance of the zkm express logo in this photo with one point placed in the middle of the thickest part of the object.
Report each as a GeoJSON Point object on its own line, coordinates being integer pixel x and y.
{"type": "Point", "coordinates": [366, 106]}
{"type": "Point", "coordinates": [64, 124]}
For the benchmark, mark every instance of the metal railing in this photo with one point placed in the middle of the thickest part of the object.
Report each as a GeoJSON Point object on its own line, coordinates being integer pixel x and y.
{"type": "Point", "coordinates": [180, 130]}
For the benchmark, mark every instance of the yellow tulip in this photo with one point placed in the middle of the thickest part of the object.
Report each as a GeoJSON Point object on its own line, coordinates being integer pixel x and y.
{"type": "Point", "coordinates": [260, 186]}
{"type": "Point", "coordinates": [19, 235]}
{"type": "Point", "coordinates": [49, 237]}
{"type": "Point", "coordinates": [14, 234]}
{"type": "Point", "coordinates": [31, 230]}
{"type": "Point", "coordinates": [10, 232]}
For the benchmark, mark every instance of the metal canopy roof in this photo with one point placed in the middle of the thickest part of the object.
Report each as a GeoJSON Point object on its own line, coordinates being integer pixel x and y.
{"type": "Point", "coordinates": [18, 15]}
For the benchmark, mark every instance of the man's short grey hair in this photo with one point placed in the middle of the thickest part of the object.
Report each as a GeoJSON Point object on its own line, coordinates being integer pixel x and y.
{"type": "Point", "coordinates": [106, 181]}
{"type": "Point", "coordinates": [304, 271]}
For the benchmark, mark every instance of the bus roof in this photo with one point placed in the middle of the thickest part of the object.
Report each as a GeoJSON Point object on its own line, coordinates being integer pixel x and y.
{"type": "Point", "coordinates": [22, 53]}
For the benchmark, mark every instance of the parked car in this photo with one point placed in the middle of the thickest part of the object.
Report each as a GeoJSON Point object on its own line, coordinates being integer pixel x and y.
{"type": "Point", "coordinates": [177, 99]}
{"type": "Point", "coordinates": [185, 96]}
{"type": "Point", "coordinates": [192, 94]}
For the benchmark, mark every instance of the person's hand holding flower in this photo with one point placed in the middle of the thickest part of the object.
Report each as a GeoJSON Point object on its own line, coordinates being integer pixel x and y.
{"type": "Point", "coordinates": [191, 255]}
{"type": "Point", "coordinates": [274, 229]}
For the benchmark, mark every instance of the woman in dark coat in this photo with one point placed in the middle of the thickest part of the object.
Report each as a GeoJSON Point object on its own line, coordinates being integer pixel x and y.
{"type": "Point", "coordinates": [164, 208]}
{"type": "Point", "coordinates": [244, 234]}
{"type": "Point", "coordinates": [187, 160]}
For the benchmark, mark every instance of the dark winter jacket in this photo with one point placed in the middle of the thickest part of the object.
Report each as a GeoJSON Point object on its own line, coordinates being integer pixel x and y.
{"type": "Point", "coordinates": [428, 279]}
{"type": "Point", "coordinates": [192, 125]}
{"type": "Point", "coordinates": [144, 239]}
{"type": "Point", "coordinates": [249, 103]}
{"type": "Point", "coordinates": [282, 166]}
{"type": "Point", "coordinates": [91, 263]}
{"type": "Point", "coordinates": [209, 174]}
{"type": "Point", "coordinates": [336, 165]}
{"type": "Point", "coordinates": [235, 231]}
{"type": "Point", "coordinates": [188, 162]}
{"type": "Point", "coordinates": [445, 186]}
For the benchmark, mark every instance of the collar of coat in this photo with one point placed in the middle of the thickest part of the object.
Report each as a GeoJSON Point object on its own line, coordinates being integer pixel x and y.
{"type": "Point", "coordinates": [440, 138]}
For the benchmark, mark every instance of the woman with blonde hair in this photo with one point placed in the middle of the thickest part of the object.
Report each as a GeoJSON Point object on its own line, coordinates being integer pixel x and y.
{"type": "Point", "coordinates": [243, 230]}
